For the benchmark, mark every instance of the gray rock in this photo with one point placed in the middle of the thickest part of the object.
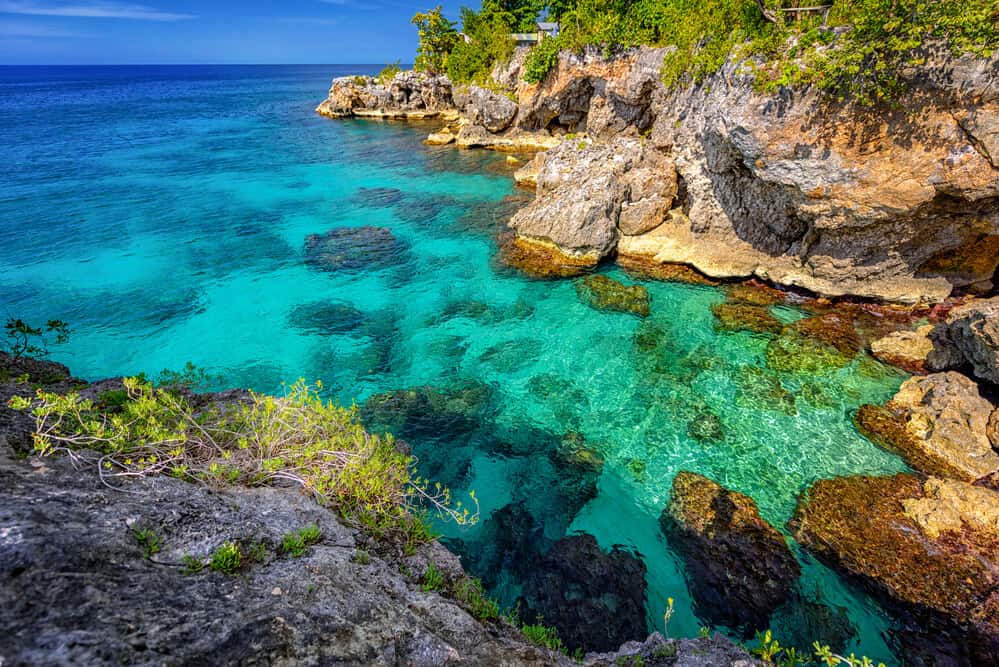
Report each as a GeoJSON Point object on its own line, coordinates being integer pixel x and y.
{"type": "Point", "coordinates": [493, 111]}
{"type": "Point", "coordinates": [969, 335]}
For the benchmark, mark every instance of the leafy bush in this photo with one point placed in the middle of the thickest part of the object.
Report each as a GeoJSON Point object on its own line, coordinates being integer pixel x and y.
{"type": "Point", "coordinates": [295, 543]}
{"type": "Point", "coordinates": [296, 438]}
{"type": "Point", "coordinates": [541, 60]}
{"type": "Point", "coordinates": [149, 541]}
{"type": "Point", "coordinates": [488, 43]}
{"type": "Point", "coordinates": [544, 636]}
{"type": "Point", "coordinates": [437, 37]}
{"type": "Point", "coordinates": [470, 593]}
{"type": "Point", "coordinates": [227, 559]}
{"type": "Point", "coordinates": [770, 652]}
{"type": "Point", "coordinates": [388, 72]}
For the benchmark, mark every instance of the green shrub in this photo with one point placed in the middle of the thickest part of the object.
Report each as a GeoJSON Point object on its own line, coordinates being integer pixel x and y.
{"type": "Point", "coordinates": [297, 542]}
{"type": "Point", "coordinates": [227, 559]}
{"type": "Point", "coordinates": [432, 580]}
{"type": "Point", "coordinates": [298, 438]}
{"type": "Point", "coordinates": [149, 541]}
{"type": "Point", "coordinates": [470, 593]}
{"type": "Point", "coordinates": [544, 636]}
{"type": "Point", "coordinates": [488, 43]}
{"type": "Point", "coordinates": [541, 60]}
{"type": "Point", "coordinates": [191, 564]}
{"type": "Point", "coordinates": [22, 339]}
{"type": "Point", "coordinates": [388, 72]}
{"type": "Point", "coordinates": [257, 552]}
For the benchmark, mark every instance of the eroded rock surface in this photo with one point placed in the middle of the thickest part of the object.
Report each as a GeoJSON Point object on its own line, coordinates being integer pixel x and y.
{"type": "Point", "coordinates": [970, 335]}
{"type": "Point", "coordinates": [905, 349]}
{"type": "Point", "coordinates": [739, 567]}
{"type": "Point", "coordinates": [938, 423]}
{"type": "Point", "coordinates": [407, 95]}
{"type": "Point", "coordinates": [927, 549]}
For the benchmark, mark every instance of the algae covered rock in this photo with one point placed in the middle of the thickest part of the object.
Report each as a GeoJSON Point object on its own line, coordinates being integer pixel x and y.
{"type": "Point", "coordinates": [595, 599]}
{"type": "Point", "coordinates": [355, 249]}
{"type": "Point", "coordinates": [706, 427]}
{"type": "Point", "coordinates": [543, 260]}
{"type": "Point", "coordinates": [644, 267]}
{"type": "Point", "coordinates": [605, 293]}
{"type": "Point", "coordinates": [927, 549]}
{"type": "Point", "coordinates": [745, 317]}
{"type": "Point", "coordinates": [761, 389]}
{"type": "Point", "coordinates": [907, 350]}
{"type": "Point", "coordinates": [817, 344]}
{"type": "Point", "coordinates": [739, 566]}
{"type": "Point", "coordinates": [938, 423]}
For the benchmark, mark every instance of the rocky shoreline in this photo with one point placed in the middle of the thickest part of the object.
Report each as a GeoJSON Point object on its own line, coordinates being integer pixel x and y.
{"type": "Point", "coordinates": [848, 211]}
{"type": "Point", "coordinates": [841, 200]}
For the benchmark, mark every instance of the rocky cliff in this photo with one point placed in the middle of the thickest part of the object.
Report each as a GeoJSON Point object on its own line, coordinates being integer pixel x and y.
{"type": "Point", "coordinates": [900, 204]}
{"type": "Point", "coordinates": [79, 587]}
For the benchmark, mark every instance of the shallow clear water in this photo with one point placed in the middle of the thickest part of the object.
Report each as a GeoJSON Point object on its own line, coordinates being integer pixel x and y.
{"type": "Point", "coordinates": [163, 212]}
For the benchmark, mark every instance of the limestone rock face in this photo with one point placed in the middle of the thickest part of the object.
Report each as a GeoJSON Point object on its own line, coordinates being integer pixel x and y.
{"type": "Point", "coordinates": [739, 566]}
{"type": "Point", "coordinates": [490, 109]}
{"type": "Point", "coordinates": [407, 94]}
{"type": "Point", "coordinates": [969, 335]}
{"type": "Point", "coordinates": [927, 549]}
{"type": "Point", "coordinates": [584, 189]}
{"type": "Point", "coordinates": [905, 349]}
{"type": "Point", "coordinates": [938, 423]}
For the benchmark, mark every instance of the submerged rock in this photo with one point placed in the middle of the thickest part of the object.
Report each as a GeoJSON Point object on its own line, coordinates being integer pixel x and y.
{"type": "Point", "coordinates": [326, 318]}
{"type": "Point", "coordinates": [706, 427]}
{"type": "Point", "coordinates": [969, 335]}
{"type": "Point", "coordinates": [907, 350]}
{"type": "Point", "coordinates": [761, 389]}
{"type": "Point", "coordinates": [815, 344]}
{"type": "Point", "coordinates": [938, 424]}
{"type": "Point", "coordinates": [605, 293]}
{"type": "Point", "coordinates": [595, 599]}
{"type": "Point", "coordinates": [355, 249]}
{"type": "Point", "coordinates": [927, 549]}
{"type": "Point", "coordinates": [745, 317]}
{"type": "Point", "coordinates": [543, 260]}
{"type": "Point", "coordinates": [428, 411]}
{"type": "Point", "coordinates": [739, 567]}
{"type": "Point", "coordinates": [647, 268]}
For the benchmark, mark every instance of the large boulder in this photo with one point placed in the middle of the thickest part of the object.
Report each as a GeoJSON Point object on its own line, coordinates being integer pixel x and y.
{"type": "Point", "coordinates": [408, 94]}
{"type": "Point", "coordinates": [490, 109]}
{"type": "Point", "coordinates": [739, 566]}
{"type": "Point", "coordinates": [938, 424]}
{"type": "Point", "coordinates": [925, 548]}
{"type": "Point", "coordinates": [596, 599]}
{"type": "Point", "coordinates": [970, 335]}
{"type": "Point", "coordinates": [584, 189]}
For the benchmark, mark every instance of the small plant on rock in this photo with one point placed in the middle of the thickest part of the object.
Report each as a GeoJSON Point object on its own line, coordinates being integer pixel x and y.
{"type": "Point", "coordinates": [227, 558]}
{"type": "Point", "coordinates": [191, 564]}
{"type": "Point", "coordinates": [296, 543]}
{"type": "Point", "coordinates": [149, 541]}
{"type": "Point", "coordinates": [469, 592]}
{"type": "Point", "coordinates": [433, 579]}
{"type": "Point", "coordinates": [543, 635]}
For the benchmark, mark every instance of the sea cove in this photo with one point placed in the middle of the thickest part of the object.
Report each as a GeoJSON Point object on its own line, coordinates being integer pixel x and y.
{"type": "Point", "coordinates": [165, 213]}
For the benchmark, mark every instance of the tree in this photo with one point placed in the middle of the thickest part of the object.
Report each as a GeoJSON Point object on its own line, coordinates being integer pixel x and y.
{"type": "Point", "coordinates": [437, 38]}
{"type": "Point", "coordinates": [24, 339]}
{"type": "Point", "coordinates": [524, 13]}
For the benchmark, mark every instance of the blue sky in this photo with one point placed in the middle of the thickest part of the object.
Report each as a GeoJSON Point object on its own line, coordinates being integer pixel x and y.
{"type": "Point", "coordinates": [211, 31]}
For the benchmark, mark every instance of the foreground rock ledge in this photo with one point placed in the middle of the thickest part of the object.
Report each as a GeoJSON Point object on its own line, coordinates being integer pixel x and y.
{"type": "Point", "coordinates": [75, 587]}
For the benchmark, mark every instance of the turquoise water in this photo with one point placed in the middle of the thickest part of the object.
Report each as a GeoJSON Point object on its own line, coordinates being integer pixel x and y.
{"type": "Point", "coordinates": [164, 212]}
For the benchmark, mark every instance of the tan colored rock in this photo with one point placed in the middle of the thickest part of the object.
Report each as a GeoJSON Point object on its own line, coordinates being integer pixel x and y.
{"type": "Point", "coordinates": [527, 176]}
{"type": "Point", "coordinates": [441, 138]}
{"type": "Point", "coordinates": [928, 549]}
{"type": "Point", "coordinates": [905, 349]}
{"type": "Point", "coordinates": [992, 430]}
{"type": "Point", "coordinates": [938, 424]}
{"type": "Point", "coordinates": [949, 506]}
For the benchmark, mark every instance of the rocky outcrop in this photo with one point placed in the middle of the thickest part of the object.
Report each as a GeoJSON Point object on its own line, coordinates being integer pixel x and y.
{"type": "Point", "coordinates": [79, 588]}
{"type": "Point", "coordinates": [492, 110]}
{"type": "Point", "coordinates": [969, 335]}
{"type": "Point", "coordinates": [588, 194]}
{"type": "Point", "coordinates": [926, 548]}
{"type": "Point", "coordinates": [938, 425]}
{"type": "Point", "coordinates": [412, 95]}
{"type": "Point", "coordinates": [739, 567]}
{"type": "Point", "coordinates": [905, 349]}
{"type": "Point", "coordinates": [603, 293]}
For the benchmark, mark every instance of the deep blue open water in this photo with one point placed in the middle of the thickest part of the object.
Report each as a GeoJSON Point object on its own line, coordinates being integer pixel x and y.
{"type": "Point", "coordinates": [164, 213]}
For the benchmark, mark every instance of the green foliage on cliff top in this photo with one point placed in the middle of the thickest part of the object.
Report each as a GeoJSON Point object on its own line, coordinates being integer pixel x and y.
{"type": "Point", "coordinates": [298, 438]}
{"type": "Point", "coordinates": [856, 50]}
